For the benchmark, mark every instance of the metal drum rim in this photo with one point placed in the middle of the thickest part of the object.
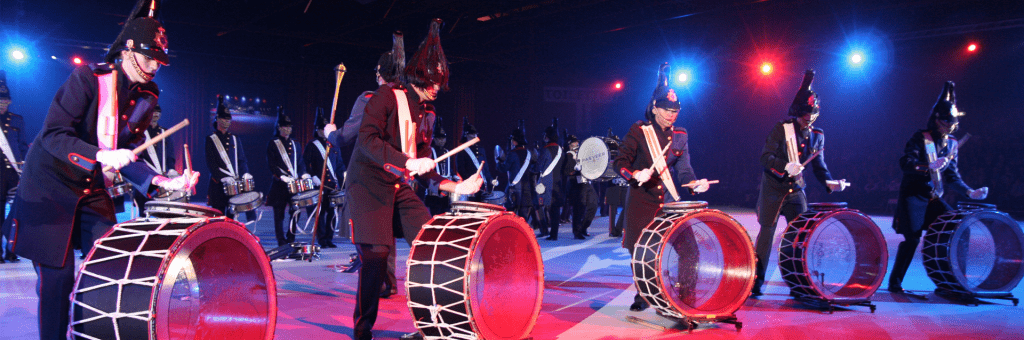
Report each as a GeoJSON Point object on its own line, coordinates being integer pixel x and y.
{"type": "Point", "coordinates": [476, 207]}
{"type": "Point", "coordinates": [952, 251]}
{"type": "Point", "coordinates": [883, 265]}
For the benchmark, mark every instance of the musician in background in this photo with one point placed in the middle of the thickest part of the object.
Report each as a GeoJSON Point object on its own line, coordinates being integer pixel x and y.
{"type": "Point", "coordinates": [14, 148]}
{"type": "Point", "coordinates": [469, 161]}
{"type": "Point", "coordinates": [285, 167]}
{"type": "Point", "coordinates": [929, 165]}
{"type": "Point", "coordinates": [388, 71]}
{"type": "Point", "coordinates": [62, 192]}
{"type": "Point", "coordinates": [581, 193]}
{"type": "Point", "coordinates": [437, 200]}
{"type": "Point", "coordinates": [394, 143]}
{"type": "Point", "coordinates": [314, 156]}
{"type": "Point", "coordinates": [516, 162]}
{"type": "Point", "coordinates": [159, 156]}
{"type": "Point", "coordinates": [647, 188]}
{"type": "Point", "coordinates": [225, 158]}
{"type": "Point", "coordinates": [790, 144]}
{"type": "Point", "coordinates": [552, 160]}
{"type": "Point", "coordinates": [615, 197]}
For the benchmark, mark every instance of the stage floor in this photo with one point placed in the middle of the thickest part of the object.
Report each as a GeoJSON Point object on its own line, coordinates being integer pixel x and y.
{"type": "Point", "coordinates": [588, 289]}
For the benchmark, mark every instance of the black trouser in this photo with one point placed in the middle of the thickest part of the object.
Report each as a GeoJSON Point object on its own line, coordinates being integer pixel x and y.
{"type": "Point", "coordinates": [615, 220]}
{"type": "Point", "coordinates": [907, 248]}
{"type": "Point", "coordinates": [283, 236]}
{"type": "Point", "coordinates": [584, 208]}
{"type": "Point", "coordinates": [554, 210]}
{"type": "Point", "coordinates": [325, 229]}
{"type": "Point", "coordinates": [56, 283]}
{"type": "Point", "coordinates": [791, 206]}
{"type": "Point", "coordinates": [8, 180]}
{"type": "Point", "coordinates": [371, 277]}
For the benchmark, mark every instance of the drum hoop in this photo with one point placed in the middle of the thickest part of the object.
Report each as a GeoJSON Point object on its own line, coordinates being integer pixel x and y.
{"type": "Point", "coordinates": [607, 156]}
{"type": "Point", "coordinates": [308, 194]}
{"type": "Point", "coordinates": [476, 207]}
{"type": "Point", "coordinates": [682, 207]}
{"type": "Point", "coordinates": [190, 210]}
{"type": "Point", "coordinates": [813, 218]}
{"type": "Point", "coordinates": [247, 206]}
{"type": "Point", "coordinates": [472, 303]}
{"type": "Point", "coordinates": [963, 216]}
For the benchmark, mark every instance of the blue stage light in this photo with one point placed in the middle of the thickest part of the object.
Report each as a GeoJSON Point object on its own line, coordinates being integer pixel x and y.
{"type": "Point", "coordinates": [856, 58]}
{"type": "Point", "coordinates": [18, 54]}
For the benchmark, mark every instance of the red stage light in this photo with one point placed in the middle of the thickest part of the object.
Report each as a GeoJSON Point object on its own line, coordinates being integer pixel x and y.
{"type": "Point", "coordinates": [766, 68]}
{"type": "Point", "coordinates": [972, 47]}
{"type": "Point", "coordinates": [77, 61]}
{"type": "Point", "coordinates": [618, 85]}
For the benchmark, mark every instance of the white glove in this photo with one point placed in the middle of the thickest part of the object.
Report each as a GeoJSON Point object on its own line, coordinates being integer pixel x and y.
{"type": "Point", "coordinates": [116, 159]}
{"type": "Point", "coordinates": [494, 182]}
{"type": "Point", "coordinates": [794, 169]}
{"type": "Point", "coordinates": [469, 186]}
{"type": "Point", "coordinates": [329, 128]}
{"type": "Point", "coordinates": [305, 176]}
{"type": "Point", "coordinates": [287, 179]}
{"type": "Point", "coordinates": [700, 185]}
{"type": "Point", "coordinates": [247, 176]}
{"type": "Point", "coordinates": [837, 186]}
{"type": "Point", "coordinates": [578, 167]}
{"type": "Point", "coordinates": [939, 163]}
{"type": "Point", "coordinates": [173, 173]}
{"type": "Point", "coordinates": [228, 180]}
{"type": "Point", "coordinates": [419, 166]}
{"type": "Point", "coordinates": [978, 194]}
{"type": "Point", "coordinates": [316, 180]}
{"type": "Point", "coordinates": [643, 175]}
{"type": "Point", "coordinates": [180, 183]}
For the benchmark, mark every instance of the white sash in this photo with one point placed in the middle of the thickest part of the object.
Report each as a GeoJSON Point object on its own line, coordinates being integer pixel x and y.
{"type": "Point", "coordinates": [522, 170]}
{"type": "Point", "coordinates": [224, 155]}
{"type": "Point", "coordinates": [8, 153]}
{"type": "Point", "coordinates": [554, 162]}
{"type": "Point", "coordinates": [654, 147]}
{"type": "Point", "coordinates": [437, 165]}
{"type": "Point", "coordinates": [157, 164]}
{"type": "Point", "coordinates": [284, 156]}
{"type": "Point", "coordinates": [792, 152]}
{"type": "Point", "coordinates": [327, 160]}
{"type": "Point", "coordinates": [106, 129]}
{"type": "Point", "coordinates": [472, 157]}
{"type": "Point", "coordinates": [406, 128]}
{"type": "Point", "coordinates": [929, 149]}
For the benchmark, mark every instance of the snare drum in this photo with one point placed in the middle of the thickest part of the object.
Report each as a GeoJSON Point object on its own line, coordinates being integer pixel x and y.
{"type": "Point", "coordinates": [495, 197]}
{"type": "Point", "coordinates": [337, 198]}
{"type": "Point", "coordinates": [596, 156]}
{"type": "Point", "coordinates": [300, 185]}
{"type": "Point", "coordinates": [239, 186]}
{"type": "Point", "coordinates": [183, 278]}
{"type": "Point", "coordinates": [119, 189]}
{"type": "Point", "coordinates": [232, 189]}
{"type": "Point", "coordinates": [305, 198]}
{"type": "Point", "coordinates": [172, 195]}
{"type": "Point", "coordinates": [833, 254]}
{"type": "Point", "coordinates": [246, 201]}
{"type": "Point", "coordinates": [694, 263]}
{"type": "Point", "coordinates": [475, 273]}
{"type": "Point", "coordinates": [165, 209]}
{"type": "Point", "coordinates": [974, 250]}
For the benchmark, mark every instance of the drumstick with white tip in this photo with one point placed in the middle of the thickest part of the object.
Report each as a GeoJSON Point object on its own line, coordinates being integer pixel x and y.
{"type": "Point", "coordinates": [695, 184]}
{"type": "Point", "coordinates": [154, 140]}
{"type": "Point", "coordinates": [456, 150]}
{"type": "Point", "coordinates": [188, 166]}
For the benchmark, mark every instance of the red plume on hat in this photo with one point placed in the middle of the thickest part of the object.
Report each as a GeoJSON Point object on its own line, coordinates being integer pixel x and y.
{"type": "Point", "coordinates": [429, 66]}
{"type": "Point", "coordinates": [142, 33]}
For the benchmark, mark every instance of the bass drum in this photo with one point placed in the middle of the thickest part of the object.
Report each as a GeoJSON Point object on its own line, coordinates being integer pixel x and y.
{"type": "Point", "coordinates": [182, 278]}
{"type": "Point", "coordinates": [694, 263]}
{"type": "Point", "coordinates": [475, 273]}
{"type": "Point", "coordinates": [975, 250]}
{"type": "Point", "coordinates": [596, 156]}
{"type": "Point", "coordinates": [834, 254]}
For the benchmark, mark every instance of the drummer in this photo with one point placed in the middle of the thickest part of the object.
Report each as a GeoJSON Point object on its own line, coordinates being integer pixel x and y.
{"type": "Point", "coordinates": [437, 200]}
{"type": "Point", "coordinates": [313, 156]}
{"type": "Point", "coordinates": [518, 163]}
{"type": "Point", "coordinates": [468, 161]}
{"type": "Point", "coordinates": [159, 156]}
{"type": "Point", "coordinates": [647, 189]}
{"type": "Point", "coordinates": [582, 194]}
{"type": "Point", "coordinates": [62, 194]}
{"type": "Point", "coordinates": [225, 158]}
{"type": "Point", "coordinates": [552, 160]}
{"type": "Point", "coordinates": [10, 163]}
{"type": "Point", "coordinates": [929, 163]}
{"type": "Point", "coordinates": [782, 181]}
{"type": "Point", "coordinates": [381, 203]}
{"type": "Point", "coordinates": [285, 167]}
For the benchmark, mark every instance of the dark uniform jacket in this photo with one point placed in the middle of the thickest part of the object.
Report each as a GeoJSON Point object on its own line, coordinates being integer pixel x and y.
{"type": "Point", "coordinates": [14, 129]}
{"type": "Point", "coordinates": [218, 170]}
{"type": "Point", "coordinates": [916, 187]}
{"type": "Point", "coordinates": [279, 194]}
{"type": "Point", "coordinates": [314, 161]}
{"type": "Point", "coordinates": [552, 182]}
{"type": "Point", "coordinates": [60, 167]}
{"type": "Point", "coordinates": [164, 151]}
{"type": "Point", "coordinates": [372, 192]}
{"type": "Point", "coordinates": [773, 159]}
{"type": "Point", "coordinates": [643, 201]}
{"type": "Point", "coordinates": [522, 193]}
{"type": "Point", "coordinates": [465, 167]}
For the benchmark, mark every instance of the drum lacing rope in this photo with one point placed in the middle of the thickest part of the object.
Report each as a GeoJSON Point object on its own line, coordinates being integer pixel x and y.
{"type": "Point", "coordinates": [652, 283]}
{"type": "Point", "coordinates": [435, 309]}
{"type": "Point", "coordinates": [145, 281]}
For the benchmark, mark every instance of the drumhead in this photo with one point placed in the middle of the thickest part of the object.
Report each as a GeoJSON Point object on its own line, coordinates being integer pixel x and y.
{"type": "Point", "coordinates": [305, 195]}
{"type": "Point", "coordinates": [245, 198]}
{"type": "Point", "coordinates": [475, 207]}
{"type": "Point", "coordinates": [826, 206]}
{"type": "Point", "coordinates": [975, 206]}
{"type": "Point", "coordinates": [593, 156]}
{"type": "Point", "coordinates": [495, 195]}
{"type": "Point", "coordinates": [683, 206]}
{"type": "Point", "coordinates": [506, 263]}
{"type": "Point", "coordinates": [980, 252]}
{"type": "Point", "coordinates": [168, 209]}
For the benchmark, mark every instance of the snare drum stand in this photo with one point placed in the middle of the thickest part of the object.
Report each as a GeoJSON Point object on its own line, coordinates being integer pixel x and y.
{"type": "Point", "coordinates": [690, 323]}
{"type": "Point", "coordinates": [823, 303]}
{"type": "Point", "coordinates": [970, 299]}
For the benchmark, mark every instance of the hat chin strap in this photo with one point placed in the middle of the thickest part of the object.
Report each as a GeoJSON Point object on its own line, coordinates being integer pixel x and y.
{"type": "Point", "coordinates": [135, 64]}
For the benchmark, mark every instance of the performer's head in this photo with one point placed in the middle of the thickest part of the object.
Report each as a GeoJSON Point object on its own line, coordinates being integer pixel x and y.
{"type": "Point", "coordinates": [468, 130]}
{"type": "Point", "coordinates": [141, 47]}
{"type": "Point", "coordinates": [440, 137]}
{"type": "Point", "coordinates": [805, 106]}
{"type": "Point", "coordinates": [517, 138]}
{"type": "Point", "coordinates": [5, 92]}
{"type": "Point", "coordinates": [392, 63]}
{"type": "Point", "coordinates": [664, 106]}
{"type": "Point", "coordinates": [223, 121]}
{"type": "Point", "coordinates": [572, 143]}
{"type": "Point", "coordinates": [551, 132]}
{"type": "Point", "coordinates": [945, 117]}
{"type": "Point", "coordinates": [154, 122]}
{"type": "Point", "coordinates": [427, 71]}
{"type": "Point", "coordinates": [284, 123]}
{"type": "Point", "coordinates": [320, 122]}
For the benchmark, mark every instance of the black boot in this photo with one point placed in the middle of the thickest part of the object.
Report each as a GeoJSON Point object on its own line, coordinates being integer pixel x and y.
{"type": "Point", "coordinates": [639, 304]}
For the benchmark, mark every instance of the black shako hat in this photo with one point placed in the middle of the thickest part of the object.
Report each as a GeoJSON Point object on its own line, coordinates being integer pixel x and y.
{"type": "Point", "coordinates": [806, 101]}
{"type": "Point", "coordinates": [551, 132]}
{"type": "Point", "coordinates": [519, 134]}
{"type": "Point", "coordinates": [438, 125]}
{"type": "Point", "coordinates": [282, 119]}
{"type": "Point", "coordinates": [142, 33]}
{"type": "Point", "coordinates": [467, 128]}
{"type": "Point", "coordinates": [5, 93]}
{"type": "Point", "coordinates": [945, 107]}
{"type": "Point", "coordinates": [222, 111]}
{"type": "Point", "coordinates": [429, 67]}
{"type": "Point", "coordinates": [392, 63]}
{"type": "Point", "coordinates": [320, 120]}
{"type": "Point", "coordinates": [664, 97]}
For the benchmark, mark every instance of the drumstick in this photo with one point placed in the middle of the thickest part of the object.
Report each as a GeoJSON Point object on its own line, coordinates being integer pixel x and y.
{"type": "Point", "coordinates": [339, 72]}
{"type": "Point", "coordinates": [694, 185]}
{"type": "Point", "coordinates": [456, 150]}
{"type": "Point", "coordinates": [188, 167]}
{"type": "Point", "coordinates": [815, 154]}
{"type": "Point", "coordinates": [661, 158]}
{"type": "Point", "coordinates": [154, 140]}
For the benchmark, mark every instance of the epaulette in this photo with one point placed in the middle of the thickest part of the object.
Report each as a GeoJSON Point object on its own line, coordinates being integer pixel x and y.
{"type": "Point", "coordinates": [101, 68]}
{"type": "Point", "coordinates": [818, 131]}
{"type": "Point", "coordinates": [677, 129]}
{"type": "Point", "coordinates": [368, 94]}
